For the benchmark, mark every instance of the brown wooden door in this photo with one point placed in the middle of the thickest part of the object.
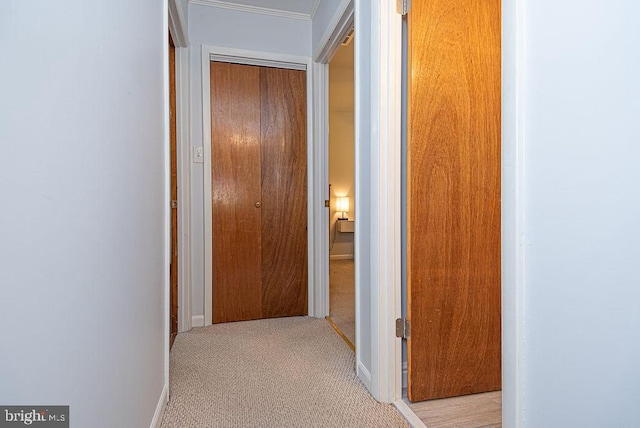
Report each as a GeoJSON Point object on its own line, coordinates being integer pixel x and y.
{"type": "Point", "coordinates": [454, 198]}
{"type": "Point", "coordinates": [258, 139]}
{"type": "Point", "coordinates": [174, 195]}
{"type": "Point", "coordinates": [284, 192]}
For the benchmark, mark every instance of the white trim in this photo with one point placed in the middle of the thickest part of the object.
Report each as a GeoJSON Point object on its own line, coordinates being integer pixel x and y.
{"type": "Point", "coordinates": [177, 25]}
{"type": "Point", "coordinates": [408, 414]}
{"type": "Point", "coordinates": [160, 408]}
{"type": "Point", "coordinates": [314, 8]}
{"type": "Point", "coordinates": [313, 197]}
{"type": "Point", "coordinates": [513, 211]}
{"type": "Point", "coordinates": [341, 257]}
{"type": "Point", "coordinates": [256, 61]}
{"type": "Point", "coordinates": [360, 115]}
{"type": "Point", "coordinates": [166, 211]}
{"type": "Point", "coordinates": [208, 210]}
{"type": "Point", "coordinates": [385, 188]}
{"type": "Point", "coordinates": [275, 58]}
{"type": "Point", "coordinates": [321, 186]}
{"type": "Point", "coordinates": [197, 321]}
{"type": "Point", "coordinates": [363, 374]}
{"type": "Point", "coordinates": [337, 29]}
{"type": "Point", "coordinates": [184, 188]}
{"type": "Point", "coordinates": [252, 9]}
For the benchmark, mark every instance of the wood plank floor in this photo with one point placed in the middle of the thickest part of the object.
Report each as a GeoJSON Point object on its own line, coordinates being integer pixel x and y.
{"type": "Point", "coordinates": [342, 297]}
{"type": "Point", "coordinates": [470, 411]}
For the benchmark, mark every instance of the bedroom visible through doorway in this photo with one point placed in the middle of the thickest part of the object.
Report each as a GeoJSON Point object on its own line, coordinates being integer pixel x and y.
{"type": "Point", "coordinates": [342, 195]}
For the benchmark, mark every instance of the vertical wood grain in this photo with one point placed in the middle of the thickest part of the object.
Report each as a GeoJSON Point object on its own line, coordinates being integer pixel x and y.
{"type": "Point", "coordinates": [174, 194]}
{"type": "Point", "coordinates": [235, 175]}
{"type": "Point", "coordinates": [284, 192]}
{"type": "Point", "coordinates": [454, 198]}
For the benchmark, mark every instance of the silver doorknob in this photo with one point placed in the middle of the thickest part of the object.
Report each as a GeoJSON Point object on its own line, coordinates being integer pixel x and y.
{"type": "Point", "coordinates": [258, 204]}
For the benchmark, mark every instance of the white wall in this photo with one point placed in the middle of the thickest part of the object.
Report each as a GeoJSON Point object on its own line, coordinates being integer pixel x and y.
{"type": "Point", "coordinates": [581, 213]}
{"type": "Point", "coordinates": [184, 8]}
{"type": "Point", "coordinates": [245, 30]}
{"type": "Point", "coordinates": [82, 225]}
{"type": "Point", "coordinates": [240, 30]}
{"type": "Point", "coordinates": [341, 145]}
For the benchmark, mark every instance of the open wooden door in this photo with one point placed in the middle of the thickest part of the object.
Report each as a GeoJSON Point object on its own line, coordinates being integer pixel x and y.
{"type": "Point", "coordinates": [174, 194]}
{"type": "Point", "coordinates": [453, 260]}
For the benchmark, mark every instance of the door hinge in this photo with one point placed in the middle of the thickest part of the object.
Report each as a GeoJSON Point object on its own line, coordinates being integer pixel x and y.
{"type": "Point", "coordinates": [403, 328]}
{"type": "Point", "coordinates": [326, 203]}
{"type": "Point", "coordinates": [403, 6]}
{"type": "Point", "coordinates": [174, 204]}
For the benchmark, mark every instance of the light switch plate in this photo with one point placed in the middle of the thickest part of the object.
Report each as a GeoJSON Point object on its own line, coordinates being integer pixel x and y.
{"type": "Point", "coordinates": [197, 154]}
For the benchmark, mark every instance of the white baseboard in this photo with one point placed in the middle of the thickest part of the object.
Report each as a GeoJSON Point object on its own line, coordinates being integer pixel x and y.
{"type": "Point", "coordinates": [160, 408]}
{"type": "Point", "coordinates": [408, 414]}
{"type": "Point", "coordinates": [197, 321]}
{"type": "Point", "coordinates": [341, 257]}
{"type": "Point", "coordinates": [404, 375]}
{"type": "Point", "coordinates": [364, 375]}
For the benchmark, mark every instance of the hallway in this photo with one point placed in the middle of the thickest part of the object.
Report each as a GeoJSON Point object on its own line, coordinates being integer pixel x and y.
{"type": "Point", "coordinates": [281, 372]}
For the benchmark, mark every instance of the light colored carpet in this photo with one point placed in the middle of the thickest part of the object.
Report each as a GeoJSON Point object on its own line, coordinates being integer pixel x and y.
{"type": "Point", "coordinates": [342, 297]}
{"type": "Point", "coordinates": [283, 372]}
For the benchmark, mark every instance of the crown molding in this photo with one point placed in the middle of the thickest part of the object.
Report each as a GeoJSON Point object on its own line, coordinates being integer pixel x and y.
{"type": "Point", "coordinates": [314, 8]}
{"type": "Point", "coordinates": [256, 9]}
{"type": "Point", "coordinates": [177, 25]}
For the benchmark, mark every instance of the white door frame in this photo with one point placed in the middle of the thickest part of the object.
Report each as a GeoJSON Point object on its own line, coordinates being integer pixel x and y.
{"type": "Point", "coordinates": [341, 23]}
{"type": "Point", "coordinates": [513, 211]}
{"type": "Point", "coordinates": [269, 59]}
{"type": "Point", "coordinates": [337, 30]}
{"type": "Point", "coordinates": [183, 154]}
{"type": "Point", "coordinates": [321, 186]}
{"type": "Point", "coordinates": [178, 31]}
{"type": "Point", "coordinates": [383, 378]}
{"type": "Point", "coordinates": [384, 186]}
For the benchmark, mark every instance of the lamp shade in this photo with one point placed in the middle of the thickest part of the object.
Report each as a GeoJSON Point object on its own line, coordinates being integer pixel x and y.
{"type": "Point", "coordinates": [342, 204]}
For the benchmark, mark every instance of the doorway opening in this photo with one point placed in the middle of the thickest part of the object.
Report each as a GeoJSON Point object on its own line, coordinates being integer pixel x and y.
{"type": "Point", "coordinates": [342, 191]}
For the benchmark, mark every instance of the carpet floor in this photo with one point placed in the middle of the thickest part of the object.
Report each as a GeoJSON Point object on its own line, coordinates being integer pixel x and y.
{"type": "Point", "coordinates": [283, 372]}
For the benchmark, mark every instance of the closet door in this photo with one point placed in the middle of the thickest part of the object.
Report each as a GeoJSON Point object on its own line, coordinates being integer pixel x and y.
{"type": "Point", "coordinates": [236, 192]}
{"type": "Point", "coordinates": [284, 192]}
{"type": "Point", "coordinates": [259, 192]}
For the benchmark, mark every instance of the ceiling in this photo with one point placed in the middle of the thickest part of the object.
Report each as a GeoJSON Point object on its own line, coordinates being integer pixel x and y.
{"type": "Point", "coordinates": [285, 7]}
